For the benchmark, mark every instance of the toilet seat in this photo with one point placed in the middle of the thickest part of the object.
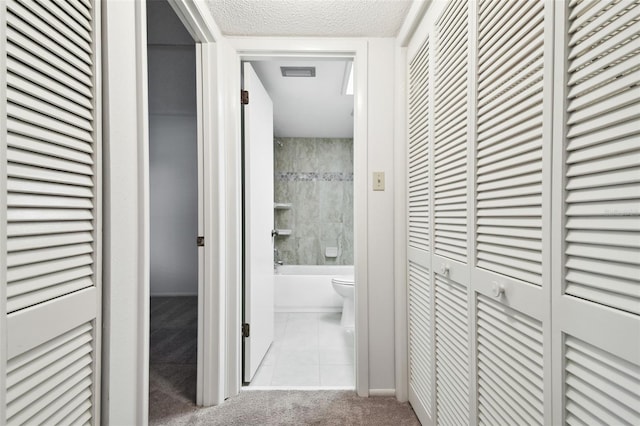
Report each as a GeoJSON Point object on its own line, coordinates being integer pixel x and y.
{"type": "Point", "coordinates": [343, 280]}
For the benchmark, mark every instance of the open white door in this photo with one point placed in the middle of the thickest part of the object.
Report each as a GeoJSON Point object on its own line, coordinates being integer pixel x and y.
{"type": "Point", "coordinates": [258, 217]}
{"type": "Point", "coordinates": [50, 212]}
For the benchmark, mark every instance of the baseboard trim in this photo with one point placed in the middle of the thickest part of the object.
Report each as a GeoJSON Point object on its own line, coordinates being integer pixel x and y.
{"type": "Point", "coordinates": [382, 392]}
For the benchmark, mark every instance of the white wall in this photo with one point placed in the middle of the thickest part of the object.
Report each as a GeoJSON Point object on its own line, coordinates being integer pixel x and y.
{"type": "Point", "coordinates": [173, 170]}
{"type": "Point", "coordinates": [380, 214]}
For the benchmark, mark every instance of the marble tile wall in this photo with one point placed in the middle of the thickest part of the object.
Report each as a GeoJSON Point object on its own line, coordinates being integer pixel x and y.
{"type": "Point", "coordinates": [315, 175]}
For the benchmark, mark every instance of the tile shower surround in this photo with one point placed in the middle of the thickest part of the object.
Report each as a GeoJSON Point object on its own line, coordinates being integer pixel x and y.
{"type": "Point", "coordinates": [315, 175]}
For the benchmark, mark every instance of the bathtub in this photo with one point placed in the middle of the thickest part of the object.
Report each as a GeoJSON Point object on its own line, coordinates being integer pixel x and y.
{"type": "Point", "coordinates": [307, 288]}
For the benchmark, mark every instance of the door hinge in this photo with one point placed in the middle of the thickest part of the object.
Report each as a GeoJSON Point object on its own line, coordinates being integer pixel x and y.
{"type": "Point", "coordinates": [245, 330]}
{"type": "Point", "coordinates": [200, 241]}
{"type": "Point", "coordinates": [244, 97]}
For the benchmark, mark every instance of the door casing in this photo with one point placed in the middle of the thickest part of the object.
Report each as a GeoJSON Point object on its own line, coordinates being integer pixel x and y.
{"type": "Point", "coordinates": [247, 49]}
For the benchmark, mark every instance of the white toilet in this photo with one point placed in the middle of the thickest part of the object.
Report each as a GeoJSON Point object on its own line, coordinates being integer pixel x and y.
{"type": "Point", "coordinates": [345, 287]}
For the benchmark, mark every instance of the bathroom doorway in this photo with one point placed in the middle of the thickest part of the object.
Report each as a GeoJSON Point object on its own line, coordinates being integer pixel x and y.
{"type": "Point", "coordinates": [312, 218]}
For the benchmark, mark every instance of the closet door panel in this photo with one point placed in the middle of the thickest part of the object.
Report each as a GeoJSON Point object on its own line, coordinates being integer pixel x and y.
{"type": "Point", "coordinates": [451, 215]}
{"type": "Point", "coordinates": [596, 320]}
{"type": "Point", "coordinates": [51, 138]}
{"type": "Point", "coordinates": [510, 274]}
{"type": "Point", "coordinates": [419, 227]}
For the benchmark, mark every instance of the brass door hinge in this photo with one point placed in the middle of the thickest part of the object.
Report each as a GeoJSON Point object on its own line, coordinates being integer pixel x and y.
{"type": "Point", "coordinates": [200, 241]}
{"type": "Point", "coordinates": [245, 330]}
{"type": "Point", "coordinates": [244, 97]}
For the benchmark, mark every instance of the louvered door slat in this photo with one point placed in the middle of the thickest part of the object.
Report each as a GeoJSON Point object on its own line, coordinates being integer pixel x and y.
{"type": "Point", "coordinates": [512, 165]}
{"type": "Point", "coordinates": [70, 17]}
{"type": "Point", "coordinates": [510, 362]}
{"type": "Point", "coordinates": [52, 162]}
{"type": "Point", "coordinates": [418, 169]}
{"type": "Point", "coordinates": [59, 75]}
{"type": "Point", "coordinates": [48, 110]}
{"type": "Point", "coordinates": [450, 134]}
{"type": "Point", "coordinates": [48, 96]}
{"type": "Point", "coordinates": [40, 292]}
{"type": "Point", "coordinates": [38, 118]}
{"type": "Point", "coordinates": [452, 362]}
{"type": "Point", "coordinates": [25, 130]}
{"type": "Point", "coordinates": [47, 373]}
{"type": "Point", "coordinates": [602, 171]}
{"type": "Point", "coordinates": [77, 398]}
{"type": "Point", "coordinates": [21, 258]}
{"type": "Point", "coordinates": [29, 23]}
{"type": "Point", "coordinates": [30, 187]}
{"type": "Point", "coordinates": [601, 388]}
{"type": "Point", "coordinates": [29, 144]}
{"type": "Point", "coordinates": [64, 27]}
{"type": "Point", "coordinates": [420, 341]}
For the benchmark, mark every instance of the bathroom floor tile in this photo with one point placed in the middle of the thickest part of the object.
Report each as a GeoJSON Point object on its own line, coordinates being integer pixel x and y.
{"type": "Point", "coordinates": [298, 357]}
{"type": "Point", "coordinates": [337, 375]}
{"type": "Point", "coordinates": [270, 357]}
{"type": "Point", "coordinates": [304, 344]}
{"type": "Point", "coordinates": [263, 376]}
{"type": "Point", "coordinates": [296, 375]}
{"type": "Point", "coordinates": [300, 341]}
{"type": "Point", "coordinates": [335, 338]}
{"type": "Point", "coordinates": [339, 355]}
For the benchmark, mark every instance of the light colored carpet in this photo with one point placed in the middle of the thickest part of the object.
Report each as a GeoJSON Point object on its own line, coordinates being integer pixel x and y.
{"type": "Point", "coordinates": [172, 386]}
{"type": "Point", "coordinates": [289, 407]}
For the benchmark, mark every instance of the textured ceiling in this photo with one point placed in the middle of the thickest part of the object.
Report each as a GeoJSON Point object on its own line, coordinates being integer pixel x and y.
{"type": "Point", "coordinates": [320, 18]}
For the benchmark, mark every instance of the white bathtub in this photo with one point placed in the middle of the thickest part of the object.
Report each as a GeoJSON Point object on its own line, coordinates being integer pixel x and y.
{"type": "Point", "coordinates": [307, 288]}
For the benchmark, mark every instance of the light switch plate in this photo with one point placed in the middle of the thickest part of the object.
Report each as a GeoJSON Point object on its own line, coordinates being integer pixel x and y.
{"type": "Point", "coordinates": [378, 181]}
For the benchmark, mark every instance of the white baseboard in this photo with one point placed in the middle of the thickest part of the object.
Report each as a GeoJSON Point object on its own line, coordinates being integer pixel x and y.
{"type": "Point", "coordinates": [382, 392]}
{"type": "Point", "coordinates": [173, 294]}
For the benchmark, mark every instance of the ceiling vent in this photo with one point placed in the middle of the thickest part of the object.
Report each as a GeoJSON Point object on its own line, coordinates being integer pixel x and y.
{"type": "Point", "coordinates": [298, 71]}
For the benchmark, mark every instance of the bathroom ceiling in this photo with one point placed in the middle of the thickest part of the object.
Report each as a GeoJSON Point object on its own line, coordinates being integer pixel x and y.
{"type": "Point", "coordinates": [320, 18]}
{"type": "Point", "coordinates": [309, 107]}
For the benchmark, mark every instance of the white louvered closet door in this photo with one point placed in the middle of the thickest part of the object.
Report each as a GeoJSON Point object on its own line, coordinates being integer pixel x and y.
{"type": "Point", "coordinates": [52, 145]}
{"type": "Point", "coordinates": [420, 285]}
{"type": "Point", "coordinates": [596, 316]}
{"type": "Point", "coordinates": [451, 214]}
{"type": "Point", "coordinates": [511, 272]}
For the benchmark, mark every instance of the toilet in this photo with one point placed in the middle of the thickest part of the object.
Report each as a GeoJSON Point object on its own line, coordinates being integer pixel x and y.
{"type": "Point", "coordinates": [345, 287]}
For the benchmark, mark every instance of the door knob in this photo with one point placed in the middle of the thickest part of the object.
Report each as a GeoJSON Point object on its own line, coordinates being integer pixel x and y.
{"type": "Point", "coordinates": [497, 289]}
{"type": "Point", "coordinates": [444, 270]}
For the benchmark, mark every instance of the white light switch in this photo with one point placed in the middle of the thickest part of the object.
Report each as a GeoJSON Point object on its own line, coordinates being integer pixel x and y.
{"type": "Point", "coordinates": [378, 181]}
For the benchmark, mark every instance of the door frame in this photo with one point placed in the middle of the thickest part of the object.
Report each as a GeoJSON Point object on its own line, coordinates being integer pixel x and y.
{"type": "Point", "coordinates": [125, 378]}
{"type": "Point", "coordinates": [250, 48]}
{"type": "Point", "coordinates": [202, 29]}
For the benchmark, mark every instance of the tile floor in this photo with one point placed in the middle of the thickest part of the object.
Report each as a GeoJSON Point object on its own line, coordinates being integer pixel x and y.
{"type": "Point", "coordinates": [309, 349]}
